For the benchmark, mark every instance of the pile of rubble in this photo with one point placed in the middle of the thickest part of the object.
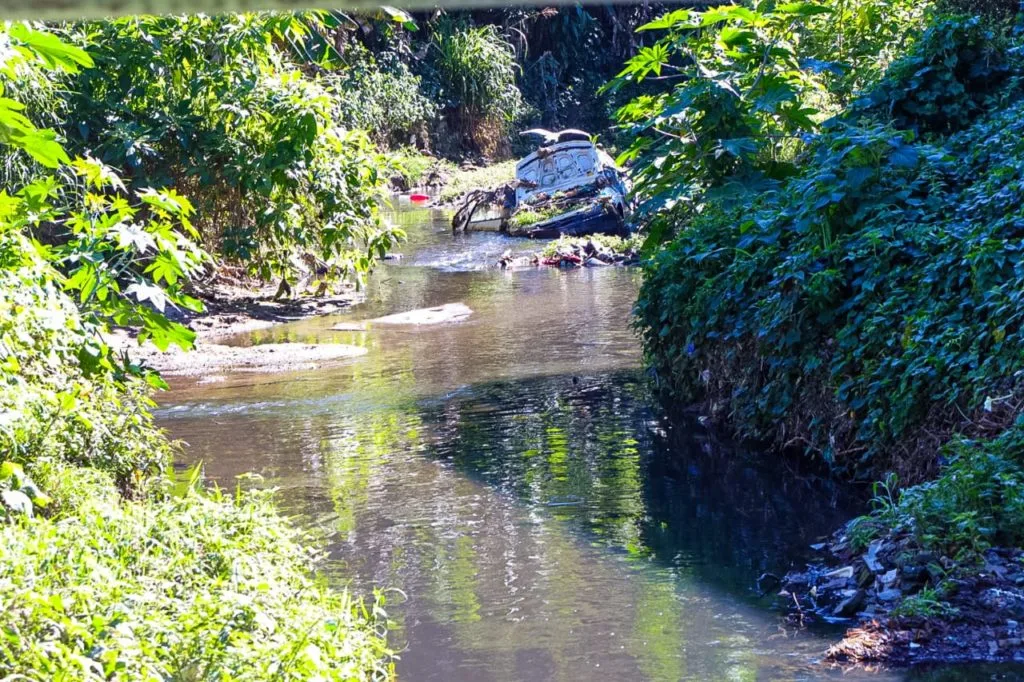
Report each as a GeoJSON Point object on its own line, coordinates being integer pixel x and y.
{"type": "Point", "coordinates": [584, 252]}
{"type": "Point", "coordinates": [913, 605]}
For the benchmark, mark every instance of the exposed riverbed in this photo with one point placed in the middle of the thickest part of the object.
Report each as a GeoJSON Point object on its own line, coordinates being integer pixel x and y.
{"type": "Point", "coordinates": [511, 475]}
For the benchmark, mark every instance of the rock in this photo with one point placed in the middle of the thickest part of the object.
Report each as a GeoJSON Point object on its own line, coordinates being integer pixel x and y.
{"type": "Point", "coordinates": [851, 605]}
{"type": "Point", "coordinates": [864, 576]}
{"type": "Point", "coordinates": [1009, 643]}
{"type": "Point", "coordinates": [766, 581]}
{"type": "Point", "coordinates": [844, 572]}
{"type": "Point", "coordinates": [398, 182]}
{"type": "Point", "coordinates": [892, 594]}
{"type": "Point", "coordinates": [834, 584]}
{"type": "Point", "coordinates": [449, 312]}
{"type": "Point", "coordinates": [591, 262]}
{"type": "Point", "coordinates": [871, 557]}
{"type": "Point", "coordinates": [914, 573]}
{"type": "Point", "coordinates": [17, 502]}
{"type": "Point", "coordinates": [1010, 603]}
{"type": "Point", "coordinates": [796, 579]}
{"type": "Point", "coordinates": [993, 648]}
{"type": "Point", "coordinates": [889, 579]}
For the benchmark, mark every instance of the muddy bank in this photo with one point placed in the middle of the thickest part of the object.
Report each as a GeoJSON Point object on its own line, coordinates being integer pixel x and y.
{"type": "Point", "coordinates": [236, 309]}
{"type": "Point", "coordinates": [908, 605]}
{"type": "Point", "coordinates": [208, 359]}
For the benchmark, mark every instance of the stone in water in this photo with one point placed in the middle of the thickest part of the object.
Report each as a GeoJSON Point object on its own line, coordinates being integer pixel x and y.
{"type": "Point", "coordinates": [449, 312]}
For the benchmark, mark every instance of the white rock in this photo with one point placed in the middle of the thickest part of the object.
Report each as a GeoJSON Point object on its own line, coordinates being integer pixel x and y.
{"type": "Point", "coordinates": [844, 572]}
{"type": "Point", "coordinates": [449, 312]}
{"type": "Point", "coordinates": [17, 501]}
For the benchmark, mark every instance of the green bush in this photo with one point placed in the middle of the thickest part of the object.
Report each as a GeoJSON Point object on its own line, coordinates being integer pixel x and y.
{"type": "Point", "coordinates": [110, 571]}
{"type": "Point", "coordinates": [615, 244]}
{"type": "Point", "coordinates": [196, 588]}
{"type": "Point", "coordinates": [40, 92]}
{"type": "Point", "coordinates": [854, 44]}
{"type": "Point", "coordinates": [51, 407]}
{"type": "Point", "coordinates": [123, 255]}
{"type": "Point", "coordinates": [749, 87]}
{"type": "Point", "coordinates": [98, 587]}
{"type": "Point", "coordinates": [976, 501]}
{"type": "Point", "coordinates": [868, 306]}
{"type": "Point", "coordinates": [867, 309]}
{"type": "Point", "coordinates": [953, 73]}
{"type": "Point", "coordinates": [218, 109]}
{"type": "Point", "coordinates": [416, 168]}
{"type": "Point", "coordinates": [379, 94]}
{"type": "Point", "coordinates": [998, 10]}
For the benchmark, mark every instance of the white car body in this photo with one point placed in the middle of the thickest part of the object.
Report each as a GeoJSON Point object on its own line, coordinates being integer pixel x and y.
{"type": "Point", "coordinates": [560, 167]}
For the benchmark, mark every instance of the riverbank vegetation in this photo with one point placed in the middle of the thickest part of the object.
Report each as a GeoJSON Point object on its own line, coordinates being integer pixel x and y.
{"type": "Point", "coordinates": [834, 243]}
{"type": "Point", "coordinates": [284, 129]}
{"type": "Point", "coordinates": [112, 568]}
{"type": "Point", "coordinates": [143, 154]}
{"type": "Point", "coordinates": [830, 196]}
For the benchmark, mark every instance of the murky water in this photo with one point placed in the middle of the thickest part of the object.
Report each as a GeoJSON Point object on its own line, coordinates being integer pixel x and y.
{"type": "Point", "coordinates": [512, 478]}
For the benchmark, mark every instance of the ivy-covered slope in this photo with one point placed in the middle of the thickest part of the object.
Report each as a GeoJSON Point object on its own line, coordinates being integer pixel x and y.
{"type": "Point", "coordinates": [868, 308]}
{"type": "Point", "coordinates": [866, 303]}
{"type": "Point", "coordinates": [867, 300]}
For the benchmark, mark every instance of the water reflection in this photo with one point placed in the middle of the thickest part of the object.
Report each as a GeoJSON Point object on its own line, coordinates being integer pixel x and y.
{"type": "Point", "coordinates": [513, 478]}
{"type": "Point", "coordinates": [538, 529]}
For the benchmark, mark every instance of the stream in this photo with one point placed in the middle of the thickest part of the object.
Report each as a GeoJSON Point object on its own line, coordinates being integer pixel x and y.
{"type": "Point", "coordinates": [512, 480]}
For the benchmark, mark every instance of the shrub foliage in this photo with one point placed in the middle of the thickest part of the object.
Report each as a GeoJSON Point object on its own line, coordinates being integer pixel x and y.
{"type": "Point", "coordinates": [218, 109]}
{"type": "Point", "coordinates": [865, 306]}
{"type": "Point", "coordinates": [108, 571]}
{"type": "Point", "coordinates": [195, 588]}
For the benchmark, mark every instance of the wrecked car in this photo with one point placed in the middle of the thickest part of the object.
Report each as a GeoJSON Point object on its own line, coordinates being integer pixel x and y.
{"type": "Point", "coordinates": [568, 186]}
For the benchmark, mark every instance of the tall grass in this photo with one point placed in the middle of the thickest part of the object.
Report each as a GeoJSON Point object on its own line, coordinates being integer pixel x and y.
{"type": "Point", "coordinates": [477, 71]}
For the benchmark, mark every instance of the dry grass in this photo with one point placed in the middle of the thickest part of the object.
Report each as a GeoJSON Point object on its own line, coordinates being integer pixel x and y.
{"type": "Point", "coordinates": [487, 177]}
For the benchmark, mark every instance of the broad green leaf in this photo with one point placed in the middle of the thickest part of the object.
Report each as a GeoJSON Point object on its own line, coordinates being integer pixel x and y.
{"type": "Point", "coordinates": [671, 20]}
{"type": "Point", "coordinates": [42, 146]}
{"type": "Point", "coordinates": [904, 156]}
{"type": "Point", "coordinates": [731, 36]}
{"type": "Point", "coordinates": [11, 470]}
{"type": "Point", "coordinates": [164, 332]}
{"type": "Point", "coordinates": [802, 9]}
{"type": "Point", "coordinates": [54, 51]}
{"type": "Point", "coordinates": [165, 267]}
{"type": "Point", "coordinates": [148, 292]}
{"type": "Point", "coordinates": [400, 17]}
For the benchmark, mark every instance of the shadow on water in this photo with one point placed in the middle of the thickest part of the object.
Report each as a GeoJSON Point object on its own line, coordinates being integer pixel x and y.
{"type": "Point", "coordinates": [598, 452]}
{"type": "Point", "coordinates": [512, 476]}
